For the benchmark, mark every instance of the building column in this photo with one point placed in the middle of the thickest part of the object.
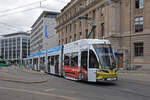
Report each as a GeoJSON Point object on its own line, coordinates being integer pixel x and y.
{"type": "Point", "coordinates": [4, 49]}
{"type": "Point", "coordinates": [21, 49]}
{"type": "Point", "coordinates": [12, 49]}
{"type": "Point", "coordinates": [16, 48]}
{"type": "Point", "coordinates": [27, 47]}
{"type": "Point", "coordinates": [38, 67]}
{"type": "Point", "coordinates": [8, 48]}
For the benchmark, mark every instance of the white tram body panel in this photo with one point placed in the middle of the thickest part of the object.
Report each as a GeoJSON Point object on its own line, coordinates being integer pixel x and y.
{"type": "Point", "coordinates": [79, 46]}
{"type": "Point", "coordinates": [82, 44]}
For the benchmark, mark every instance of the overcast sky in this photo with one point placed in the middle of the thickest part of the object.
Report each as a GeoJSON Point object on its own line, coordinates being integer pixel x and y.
{"type": "Point", "coordinates": [19, 15]}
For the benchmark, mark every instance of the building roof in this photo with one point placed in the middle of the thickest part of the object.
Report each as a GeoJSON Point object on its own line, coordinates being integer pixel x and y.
{"type": "Point", "coordinates": [15, 34]}
{"type": "Point", "coordinates": [42, 14]}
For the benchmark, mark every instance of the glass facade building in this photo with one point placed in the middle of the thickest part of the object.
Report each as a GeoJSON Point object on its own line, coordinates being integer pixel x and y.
{"type": "Point", "coordinates": [15, 46]}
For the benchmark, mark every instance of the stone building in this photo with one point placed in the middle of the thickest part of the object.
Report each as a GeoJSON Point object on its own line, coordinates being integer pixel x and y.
{"type": "Point", "coordinates": [125, 23]}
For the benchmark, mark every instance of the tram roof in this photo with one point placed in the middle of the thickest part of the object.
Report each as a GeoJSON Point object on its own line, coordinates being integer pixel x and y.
{"type": "Point", "coordinates": [58, 48]}
{"type": "Point", "coordinates": [89, 41]}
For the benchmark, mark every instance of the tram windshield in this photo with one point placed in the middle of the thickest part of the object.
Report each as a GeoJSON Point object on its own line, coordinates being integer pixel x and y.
{"type": "Point", "coordinates": [105, 55]}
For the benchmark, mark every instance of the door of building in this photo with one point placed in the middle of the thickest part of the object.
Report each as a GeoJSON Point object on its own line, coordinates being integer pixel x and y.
{"type": "Point", "coordinates": [120, 60]}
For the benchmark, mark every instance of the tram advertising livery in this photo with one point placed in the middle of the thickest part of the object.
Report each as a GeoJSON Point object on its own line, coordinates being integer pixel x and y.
{"type": "Point", "coordinates": [86, 59]}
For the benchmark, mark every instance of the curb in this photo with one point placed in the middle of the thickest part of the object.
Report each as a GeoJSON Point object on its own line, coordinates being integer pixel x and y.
{"type": "Point", "coordinates": [31, 71]}
{"type": "Point", "coordinates": [21, 81]}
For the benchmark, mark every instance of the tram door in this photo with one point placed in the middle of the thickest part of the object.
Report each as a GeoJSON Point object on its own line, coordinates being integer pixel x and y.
{"type": "Point", "coordinates": [57, 64]}
{"type": "Point", "coordinates": [52, 65]}
{"type": "Point", "coordinates": [93, 66]}
{"type": "Point", "coordinates": [48, 66]}
{"type": "Point", "coordinates": [84, 61]}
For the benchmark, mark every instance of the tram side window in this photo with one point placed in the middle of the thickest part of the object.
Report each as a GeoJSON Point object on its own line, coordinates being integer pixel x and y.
{"type": "Point", "coordinates": [84, 59]}
{"type": "Point", "coordinates": [93, 63]}
{"type": "Point", "coordinates": [57, 60]}
{"type": "Point", "coordinates": [67, 59]}
{"type": "Point", "coordinates": [52, 61]}
{"type": "Point", "coordinates": [74, 59]}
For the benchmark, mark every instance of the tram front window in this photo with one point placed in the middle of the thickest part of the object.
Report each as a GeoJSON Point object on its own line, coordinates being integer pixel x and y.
{"type": "Point", "coordinates": [105, 55]}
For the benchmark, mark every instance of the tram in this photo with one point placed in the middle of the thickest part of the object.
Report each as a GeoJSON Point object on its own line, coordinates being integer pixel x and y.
{"type": "Point", "coordinates": [90, 60]}
{"type": "Point", "coordinates": [4, 63]}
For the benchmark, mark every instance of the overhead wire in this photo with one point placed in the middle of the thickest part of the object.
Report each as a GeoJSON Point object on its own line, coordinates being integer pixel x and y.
{"type": "Point", "coordinates": [18, 11]}
{"type": "Point", "coordinates": [22, 6]}
{"type": "Point", "coordinates": [9, 11]}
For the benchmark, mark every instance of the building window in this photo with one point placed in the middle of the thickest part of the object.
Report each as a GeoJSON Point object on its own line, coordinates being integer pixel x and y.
{"type": "Point", "coordinates": [138, 49]}
{"type": "Point", "coordinates": [66, 41]}
{"type": "Point", "coordinates": [86, 33]}
{"type": "Point", "coordinates": [75, 37]}
{"type": "Point", "coordinates": [66, 30]}
{"type": "Point", "coordinates": [70, 28]}
{"type": "Point", "coordinates": [102, 11]}
{"type": "Point", "coordinates": [102, 29]}
{"type": "Point", "coordinates": [62, 41]}
{"type": "Point", "coordinates": [139, 21]}
{"type": "Point", "coordinates": [59, 42]}
{"type": "Point", "coordinates": [139, 4]}
{"type": "Point", "coordinates": [94, 33]}
{"type": "Point", "coordinates": [70, 39]}
{"type": "Point", "coordinates": [94, 14]}
{"type": "Point", "coordinates": [80, 33]}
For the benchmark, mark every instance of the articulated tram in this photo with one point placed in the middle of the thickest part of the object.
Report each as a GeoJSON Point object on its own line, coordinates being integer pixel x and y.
{"type": "Point", "coordinates": [86, 59]}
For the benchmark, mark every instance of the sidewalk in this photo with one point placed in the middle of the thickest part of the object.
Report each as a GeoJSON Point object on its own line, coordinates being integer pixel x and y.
{"type": "Point", "coordinates": [14, 74]}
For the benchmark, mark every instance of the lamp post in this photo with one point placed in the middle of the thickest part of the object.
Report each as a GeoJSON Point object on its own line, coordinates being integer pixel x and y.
{"type": "Point", "coordinates": [130, 35]}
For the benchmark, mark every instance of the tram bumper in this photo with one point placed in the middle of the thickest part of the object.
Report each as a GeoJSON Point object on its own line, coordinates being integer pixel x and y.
{"type": "Point", "coordinates": [106, 76]}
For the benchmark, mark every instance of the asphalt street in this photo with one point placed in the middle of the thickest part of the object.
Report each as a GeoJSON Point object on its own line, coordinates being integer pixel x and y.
{"type": "Point", "coordinates": [57, 88]}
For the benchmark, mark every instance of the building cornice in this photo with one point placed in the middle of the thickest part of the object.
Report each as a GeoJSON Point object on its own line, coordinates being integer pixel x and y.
{"type": "Point", "coordinates": [81, 11]}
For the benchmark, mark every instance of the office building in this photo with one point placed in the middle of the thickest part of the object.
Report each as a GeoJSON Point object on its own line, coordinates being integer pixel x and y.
{"type": "Point", "coordinates": [15, 46]}
{"type": "Point", "coordinates": [43, 34]}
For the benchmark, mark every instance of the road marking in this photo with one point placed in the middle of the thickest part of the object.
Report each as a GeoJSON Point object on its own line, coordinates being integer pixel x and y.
{"type": "Point", "coordinates": [47, 90]}
{"type": "Point", "coordinates": [40, 93]}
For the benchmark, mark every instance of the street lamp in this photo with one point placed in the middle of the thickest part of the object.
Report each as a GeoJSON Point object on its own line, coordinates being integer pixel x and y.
{"type": "Point", "coordinates": [130, 34]}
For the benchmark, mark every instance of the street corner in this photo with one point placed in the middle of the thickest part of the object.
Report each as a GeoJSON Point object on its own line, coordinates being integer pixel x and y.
{"type": "Point", "coordinates": [22, 79]}
{"type": "Point", "coordinates": [18, 75]}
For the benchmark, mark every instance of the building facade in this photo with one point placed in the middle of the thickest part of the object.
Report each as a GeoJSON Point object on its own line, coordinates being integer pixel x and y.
{"type": "Point", "coordinates": [15, 46]}
{"type": "Point", "coordinates": [43, 34]}
{"type": "Point", "coordinates": [125, 23]}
